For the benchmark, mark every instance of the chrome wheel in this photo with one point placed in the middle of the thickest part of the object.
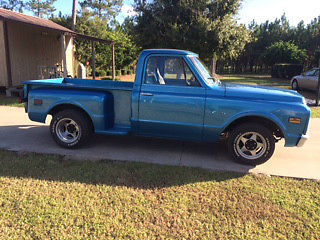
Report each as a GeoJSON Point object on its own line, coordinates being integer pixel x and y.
{"type": "Point", "coordinates": [68, 131]}
{"type": "Point", "coordinates": [251, 145]}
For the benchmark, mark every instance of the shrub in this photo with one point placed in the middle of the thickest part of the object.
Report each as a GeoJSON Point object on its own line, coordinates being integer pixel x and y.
{"type": "Point", "coordinates": [123, 72]}
{"type": "Point", "coordinates": [286, 70]}
{"type": "Point", "coordinates": [284, 52]}
{"type": "Point", "coordinates": [129, 72]}
{"type": "Point", "coordinates": [100, 73]}
{"type": "Point", "coordinates": [109, 73]}
{"type": "Point", "coordinates": [118, 73]}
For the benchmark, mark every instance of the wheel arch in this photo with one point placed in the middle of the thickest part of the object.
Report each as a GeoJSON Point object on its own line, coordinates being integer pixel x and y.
{"type": "Point", "coordinates": [270, 124]}
{"type": "Point", "coordinates": [68, 106]}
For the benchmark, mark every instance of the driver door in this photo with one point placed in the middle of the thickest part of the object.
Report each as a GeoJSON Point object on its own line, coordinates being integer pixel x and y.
{"type": "Point", "coordinates": [171, 101]}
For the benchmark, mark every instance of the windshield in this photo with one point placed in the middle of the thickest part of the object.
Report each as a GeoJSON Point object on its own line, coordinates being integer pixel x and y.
{"type": "Point", "coordinates": [205, 73]}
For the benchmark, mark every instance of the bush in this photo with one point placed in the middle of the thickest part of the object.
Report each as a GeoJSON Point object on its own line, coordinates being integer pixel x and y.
{"type": "Point", "coordinates": [286, 70]}
{"type": "Point", "coordinates": [123, 72]}
{"type": "Point", "coordinates": [118, 73]}
{"type": "Point", "coordinates": [100, 73]}
{"type": "Point", "coordinates": [284, 52]}
{"type": "Point", "coordinates": [109, 73]}
{"type": "Point", "coordinates": [129, 72]}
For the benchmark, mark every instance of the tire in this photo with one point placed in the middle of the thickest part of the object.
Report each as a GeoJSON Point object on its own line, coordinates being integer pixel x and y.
{"type": "Point", "coordinates": [70, 128]}
{"type": "Point", "coordinates": [295, 85]}
{"type": "Point", "coordinates": [251, 144]}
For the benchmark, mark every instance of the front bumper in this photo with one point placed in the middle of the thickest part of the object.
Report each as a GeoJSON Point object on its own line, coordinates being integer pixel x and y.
{"type": "Point", "coordinates": [302, 140]}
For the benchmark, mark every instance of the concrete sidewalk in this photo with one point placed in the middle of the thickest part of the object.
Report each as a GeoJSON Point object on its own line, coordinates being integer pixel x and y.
{"type": "Point", "coordinates": [18, 133]}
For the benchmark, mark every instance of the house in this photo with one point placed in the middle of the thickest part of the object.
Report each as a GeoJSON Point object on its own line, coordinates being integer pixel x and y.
{"type": "Point", "coordinates": [30, 47]}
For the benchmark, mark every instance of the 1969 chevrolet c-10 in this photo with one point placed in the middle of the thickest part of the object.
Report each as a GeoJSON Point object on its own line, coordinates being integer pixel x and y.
{"type": "Point", "coordinates": [174, 96]}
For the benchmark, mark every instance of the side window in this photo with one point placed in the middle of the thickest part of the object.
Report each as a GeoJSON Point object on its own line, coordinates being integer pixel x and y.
{"type": "Point", "coordinates": [310, 72]}
{"type": "Point", "coordinates": [169, 71]}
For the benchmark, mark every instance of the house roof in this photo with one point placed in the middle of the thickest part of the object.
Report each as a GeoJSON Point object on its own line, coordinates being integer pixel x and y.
{"type": "Point", "coordinates": [34, 21]}
{"type": "Point", "coordinates": [12, 16]}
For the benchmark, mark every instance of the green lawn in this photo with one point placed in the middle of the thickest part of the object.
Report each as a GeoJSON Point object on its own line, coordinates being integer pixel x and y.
{"type": "Point", "coordinates": [46, 197]}
{"type": "Point", "coordinates": [258, 80]}
{"type": "Point", "coordinates": [315, 112]}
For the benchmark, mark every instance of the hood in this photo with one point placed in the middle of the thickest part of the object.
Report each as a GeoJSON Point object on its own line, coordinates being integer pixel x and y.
{"type": "Point", "coordinates": [262, 93]}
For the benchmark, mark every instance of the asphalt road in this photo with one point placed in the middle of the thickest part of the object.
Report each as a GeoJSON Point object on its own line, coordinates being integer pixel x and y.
{"type": "Point", "coordinates": [18, 133]}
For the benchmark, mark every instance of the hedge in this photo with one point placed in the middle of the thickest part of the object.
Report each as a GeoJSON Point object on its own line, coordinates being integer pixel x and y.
{"type": "Point", "coordinates": [118, 73]}
{"type": "Point", "coordinates": [286, 70]}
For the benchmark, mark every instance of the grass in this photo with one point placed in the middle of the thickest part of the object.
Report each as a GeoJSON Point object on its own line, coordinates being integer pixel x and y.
{"type": "Point", "coordinates": [45, 197]}
{"type": "Point", "coordinates": [258, 80]}
{"type": "Point", "coordinates": [315, 112]}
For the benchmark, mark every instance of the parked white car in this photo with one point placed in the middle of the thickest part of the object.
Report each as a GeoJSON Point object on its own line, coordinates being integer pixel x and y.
{"type": "Point", "coordinates": [307, 80]}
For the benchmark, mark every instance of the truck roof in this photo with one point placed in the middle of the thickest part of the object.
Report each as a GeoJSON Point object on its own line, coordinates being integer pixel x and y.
{"type": "Point", "coordinates": [168, 51]}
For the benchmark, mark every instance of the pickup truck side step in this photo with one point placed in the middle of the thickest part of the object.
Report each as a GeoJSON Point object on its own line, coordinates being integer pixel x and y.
{"type": "Point", "coordinates": [115, 131]}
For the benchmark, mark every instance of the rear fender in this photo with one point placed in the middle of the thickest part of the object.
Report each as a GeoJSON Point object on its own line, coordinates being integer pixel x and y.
{"type": "Point", "coordinates": [98, 106]}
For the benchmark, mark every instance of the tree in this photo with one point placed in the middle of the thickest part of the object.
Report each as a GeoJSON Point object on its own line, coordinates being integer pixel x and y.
{"type": "Point", "coordinates": [103, 8]}
{"type": "Point", "coordinates": [284, 52]}
{"type": "Point", "coordinates": [126, 49]}
{"type": "Point", "coordinates": [14, 5]}
{"type": "Point", "coordinates": [203, 26]}
{"type": "Point", "coordinates": [41, 8]}
{"type": "Point", "coordinates": [74, 14]}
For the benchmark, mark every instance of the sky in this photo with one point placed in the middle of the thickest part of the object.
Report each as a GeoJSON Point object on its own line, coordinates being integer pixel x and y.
{"type": "Point", "coordinates": [259, 10]}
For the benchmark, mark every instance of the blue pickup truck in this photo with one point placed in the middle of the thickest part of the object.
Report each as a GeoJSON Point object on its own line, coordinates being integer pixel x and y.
{"type": "Point", "coordinates": [174, 96]}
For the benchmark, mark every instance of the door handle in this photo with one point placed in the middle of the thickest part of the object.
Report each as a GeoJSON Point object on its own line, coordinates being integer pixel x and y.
{"type": "Point", "coordinates": [146, 94]}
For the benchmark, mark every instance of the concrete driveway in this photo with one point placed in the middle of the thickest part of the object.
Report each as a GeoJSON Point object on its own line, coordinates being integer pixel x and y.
{"type": "Point", "coordinates": [18, 133]}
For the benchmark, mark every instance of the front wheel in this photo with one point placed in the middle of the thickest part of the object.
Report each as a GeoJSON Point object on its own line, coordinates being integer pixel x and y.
{"type": "Point", "coordinates": [251, 144]}
{"type": "Point", "coordinates": [70, 128]}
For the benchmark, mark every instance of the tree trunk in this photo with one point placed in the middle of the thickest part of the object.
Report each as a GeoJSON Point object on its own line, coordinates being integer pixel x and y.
{"type": "Point", "coordinates": [213, 66]}
{"type": "Point", "coordinates": [74, 14]}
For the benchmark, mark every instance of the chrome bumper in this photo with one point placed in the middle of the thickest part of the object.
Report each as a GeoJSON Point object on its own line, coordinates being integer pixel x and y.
{"type": "Point", "coordinates": [302, 140]}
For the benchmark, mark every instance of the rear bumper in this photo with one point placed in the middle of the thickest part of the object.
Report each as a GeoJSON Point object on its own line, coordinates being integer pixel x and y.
{"type": "Point", "coordinates": [302, 140]}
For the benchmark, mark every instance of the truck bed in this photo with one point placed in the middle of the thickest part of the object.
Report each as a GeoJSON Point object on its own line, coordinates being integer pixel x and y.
{"type": "Point", "coordinates": [53, 90]}
{"type": "Point", "coordinates": [83, 84]}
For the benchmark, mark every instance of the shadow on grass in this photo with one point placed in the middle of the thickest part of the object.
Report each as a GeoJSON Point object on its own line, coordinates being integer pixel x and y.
{"type": "Point", "coordinates": [112, 173]}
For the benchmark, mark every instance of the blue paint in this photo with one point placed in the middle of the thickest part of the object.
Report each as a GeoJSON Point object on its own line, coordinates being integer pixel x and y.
{"type": "Point", "coordinates": [180, 112]}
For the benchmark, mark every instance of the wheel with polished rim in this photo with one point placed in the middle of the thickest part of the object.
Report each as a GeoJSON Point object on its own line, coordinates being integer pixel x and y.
{"type": "Point", "coordinates": [295, 85]}
{"type": "Point", "coordinates": [251, 144]}
{"type": "Point", "coordinates": [70, 128]}
{"type": "Point", "coordinates": [68, 131]}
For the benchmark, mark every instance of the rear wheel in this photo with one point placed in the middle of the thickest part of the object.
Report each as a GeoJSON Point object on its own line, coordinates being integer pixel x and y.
{"type": "Point", "coordinates": [70, 128]}
{"type": "Point", "coordinates": [294, 85]}
{"type": "Point", "coordinates": [251, 144]}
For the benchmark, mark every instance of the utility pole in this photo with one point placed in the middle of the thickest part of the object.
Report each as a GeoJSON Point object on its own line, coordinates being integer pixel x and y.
{"type": "Point", "coordinates": [74, 14]}
{"type": "Point", "coordinates": [318, 88]}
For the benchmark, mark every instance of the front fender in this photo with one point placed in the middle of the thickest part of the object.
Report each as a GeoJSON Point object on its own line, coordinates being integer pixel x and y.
{"type": "Point", "coordinates": [213, 132]}
{"type": "Point", "coordinates": [268, 116]}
